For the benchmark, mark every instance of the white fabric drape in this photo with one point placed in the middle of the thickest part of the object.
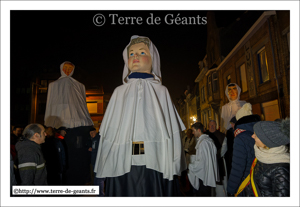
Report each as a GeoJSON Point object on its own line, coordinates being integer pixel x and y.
{"type": "Point", "coordinates": [204, 164]}
{"type": "Point", "coordinates": [141, 110]}
{"type": "Point", "coordinates": [66, 103]}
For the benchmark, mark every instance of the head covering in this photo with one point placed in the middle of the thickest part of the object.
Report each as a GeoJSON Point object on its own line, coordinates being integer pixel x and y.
{"type": "Point", "coordinates": [244, 111]}
{"type": "Point", "coordinates": [238, 88]}
{"type": "Point", "coordinates": [92, 129]}
{"type": "Point", "coordinates": [62, 72]}
{"type": "Point", "coordinates": [62, 128]}
{"type": "Point", "coordinates": [273, 134]}
{"type": "Point", "coordinates": [233, 120]}
{"type": "Point", "coordinates": [154, 56]}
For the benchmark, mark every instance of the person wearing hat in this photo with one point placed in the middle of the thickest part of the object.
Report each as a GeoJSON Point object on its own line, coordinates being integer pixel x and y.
{"type": "Point", "coordinates": [272, 170]}
{"type": "Point", "coordinates": [243, 152]}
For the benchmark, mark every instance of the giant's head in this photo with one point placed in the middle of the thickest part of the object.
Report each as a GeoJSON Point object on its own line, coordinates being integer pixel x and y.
{"type": "Point", "coordinates": [141, 55]}
{"type": "Point", "coordinates": [139, 58]}
{"type": "Point", "coordinates": [233, 92]}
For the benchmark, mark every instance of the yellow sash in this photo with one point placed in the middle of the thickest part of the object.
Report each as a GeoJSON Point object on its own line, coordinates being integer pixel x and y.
{"type": "Point", "coordinates": [247, 181]}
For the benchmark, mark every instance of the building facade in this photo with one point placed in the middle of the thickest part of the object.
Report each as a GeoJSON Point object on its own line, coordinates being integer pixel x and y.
{"type": "Point", "coordinates": [254, 53]}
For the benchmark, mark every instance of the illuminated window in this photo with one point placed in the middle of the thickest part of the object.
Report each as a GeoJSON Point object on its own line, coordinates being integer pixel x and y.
{"type": "Point", "coordinates": [202, 94]}
{"type": "Point", "coordinates": [215, 82]}
{"type": "Point", "coordinates": [228, 78]}
{"type": "Point", "coordinates": [209, 86]}
{"type": "Point", "coordinates": [43, 87]}
{"type": "Point", "coordinates": [92, 107]}
{"type": "Point", "coordinates": [288, 40]}
{"type": "Point", "coordinates": [263, 65]}
{"type": "Point", "coordinates": [243, 78]}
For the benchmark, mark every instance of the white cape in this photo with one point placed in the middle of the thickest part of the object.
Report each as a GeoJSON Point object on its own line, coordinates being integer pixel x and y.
{"type": "Point", "coordinates": [66, 103]}
{"type": "Point", "coordinates": [140, 110]}
{"type": "Point", "coordinates": [204, 164]}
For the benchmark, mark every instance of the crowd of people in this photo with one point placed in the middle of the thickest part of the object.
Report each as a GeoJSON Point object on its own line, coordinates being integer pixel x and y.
{"type": "Point", "coordinates": [139, 150]}
{"type": "Point", "coordinates": [39, 157]}
{"type": "Point", "coordinates": [260, 159]}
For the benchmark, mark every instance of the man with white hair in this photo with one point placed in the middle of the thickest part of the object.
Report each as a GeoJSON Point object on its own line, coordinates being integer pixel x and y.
{"type": "Point", "coordinates": [31, 162]}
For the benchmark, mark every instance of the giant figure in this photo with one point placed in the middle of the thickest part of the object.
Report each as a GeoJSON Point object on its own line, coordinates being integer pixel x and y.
{"type": "Point", "coordinates": [229, 110]}
{"type": "Point", "coordinates": [140, 151]}
{"type": "Point", "coordinates": [66, 106]}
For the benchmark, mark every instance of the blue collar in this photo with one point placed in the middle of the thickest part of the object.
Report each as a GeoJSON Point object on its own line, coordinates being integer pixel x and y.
{"type": "Point", "coordinates": [140, 75]}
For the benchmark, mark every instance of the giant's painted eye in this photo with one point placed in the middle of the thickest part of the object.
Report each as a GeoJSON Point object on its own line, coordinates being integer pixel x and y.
{"type": "Point", "coordinates": [143, 53]}
{"type": "Point", "coordinates": [131, 54]}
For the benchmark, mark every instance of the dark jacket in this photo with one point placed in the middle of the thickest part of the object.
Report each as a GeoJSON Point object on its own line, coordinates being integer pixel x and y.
{"type": "Point", "coordinates": [243, 152]}
{"type": "Point", "coordinates": [95, 145]}
{"type": "Point", "coordinates": [31, 163]}
{"type": "Point", "coordinates": [218, 138]}
{"type": "Point", "coordinates": [272, 180]}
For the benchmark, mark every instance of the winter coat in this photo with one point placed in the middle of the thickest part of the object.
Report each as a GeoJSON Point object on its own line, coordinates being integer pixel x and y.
{"type": "Point", "coordinates": [95, 145]}
{"type": "Point", "coordinates": [243, 152]}
{"type": "Point", "coordinates": [272, 180]}
{"type": "Point", "coordinates": [31, 163]}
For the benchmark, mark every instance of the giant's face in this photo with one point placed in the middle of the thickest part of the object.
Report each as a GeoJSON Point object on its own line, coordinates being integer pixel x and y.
{"type": "Point", "coordinates": [139, 59]}
{"type": "Point", "coordinates": [232, 92]}
{"type": "Point", "coordinates": [68, 68]}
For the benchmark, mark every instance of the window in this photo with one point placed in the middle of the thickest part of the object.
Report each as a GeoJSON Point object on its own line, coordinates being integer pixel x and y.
{"type": "Point", "coordinates": [263, 65]}
{"type": "Point", "coordinates": [209, 86]}
{"type": "Point", "coordinates": [217, 120]}
{"type": "Point", "coordinates": [215, 81]}
{"type": "Point", "coordinates": [288, 40]}
{"type": "Point", "coordinates": [204, 120]}
{"type": "Point", "coordinates": [243, 78]}
{"type": "Point", "coordinates": [43, 87]}
{"type": "Point", "coordinates": [228, 78]}
{"type": "Point", "coordinates": [92, 107]}
{"type": "Point", "coordinates": [202, 94]}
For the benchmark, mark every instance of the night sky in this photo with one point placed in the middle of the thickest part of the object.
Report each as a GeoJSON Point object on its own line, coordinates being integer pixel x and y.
{"type": "Point", "coordinates": [44, 39]}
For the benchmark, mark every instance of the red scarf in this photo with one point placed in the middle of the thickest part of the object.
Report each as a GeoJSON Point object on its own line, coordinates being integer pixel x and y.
{"type": "Point", "coordinates": [238, 131]}
{"type": "Point", "coordinates": [59, 136]}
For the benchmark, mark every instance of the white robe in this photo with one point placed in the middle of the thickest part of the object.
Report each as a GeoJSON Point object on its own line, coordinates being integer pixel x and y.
{"type": "Point", "coordinates": [204, 164]}
{"type": "Point", "coordinates": [66, 103]}
{"type": "Point", "coordinates": [141, 110]}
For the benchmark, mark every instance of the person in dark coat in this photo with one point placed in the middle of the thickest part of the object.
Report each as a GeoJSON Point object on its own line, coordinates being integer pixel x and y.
{"type": "Point", "coordinates": [220, 141]}
{"type": "Point", "coordinates": [31, 162]}
{"type": "Point", "coordinates": [230, 138]}
{"type": "Point", "coordinates": [55, 155]}
{"type": "Point", "coordinates": [243, 151]}
{"type": "Point", "coordinates": [94, 149]}
{"type": "Point", "coordinates": [14, 138]}
{"type": "Point", "coordinates": [272, 170]}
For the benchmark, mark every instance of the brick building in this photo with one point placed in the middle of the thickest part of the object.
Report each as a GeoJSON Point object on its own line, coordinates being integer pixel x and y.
{"type": "Point", "coordinates": [253, 52]}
